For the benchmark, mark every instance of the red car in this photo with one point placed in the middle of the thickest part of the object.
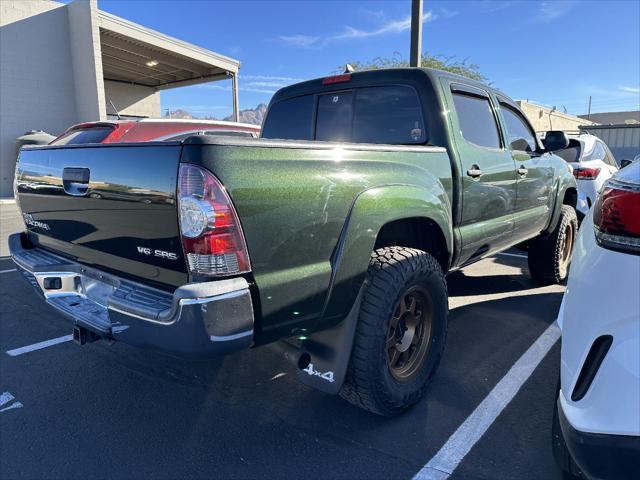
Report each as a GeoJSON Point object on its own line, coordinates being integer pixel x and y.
{"type": "Point", "coordinates": [148, 129]}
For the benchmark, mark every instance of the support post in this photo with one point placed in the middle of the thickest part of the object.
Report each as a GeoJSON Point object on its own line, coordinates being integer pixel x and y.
{"type": "Point", "coordinates": [415, 59]}
{"type": "Point", "coordinates": [589, 112]}
{"type": "Point", "coordinates": [234, 89]}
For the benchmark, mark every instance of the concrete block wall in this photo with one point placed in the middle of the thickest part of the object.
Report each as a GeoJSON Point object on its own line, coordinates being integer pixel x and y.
{"type": "Point", "coordinates": [544, 119]}
{"type": "Point", "coordinates": [36, 76]}
{"type": "Point", "coordinates": [86, 54]}
{"type": "Point", "coordinates": [135, 100]}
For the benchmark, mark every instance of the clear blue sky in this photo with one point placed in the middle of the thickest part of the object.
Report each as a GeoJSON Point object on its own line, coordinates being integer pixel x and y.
{"type": "Point", "coordinates": [552, 52]}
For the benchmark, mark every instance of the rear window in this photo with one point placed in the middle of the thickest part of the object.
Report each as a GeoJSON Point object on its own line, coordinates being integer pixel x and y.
{"type": "Point", "coordinates": [388, 115]}
{"type": "Point", "coordinates": [85, 135]}
{"type": "Point", "coordinates": [335, 117]}
{"type": "Point", "coordinates": [570, 154]}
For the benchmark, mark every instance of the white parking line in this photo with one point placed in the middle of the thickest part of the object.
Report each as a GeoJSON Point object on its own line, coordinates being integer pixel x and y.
{"type": "Point", "coordinates": [5, 398]}
{"type": "Point", "coordinates": [39, 346]}
{"type": "Point", "coordinates": [517, 255]}
{"type": "Point", "coordinates": [442, 465]}
{"type": "Point", "coordinates": [7, 271]}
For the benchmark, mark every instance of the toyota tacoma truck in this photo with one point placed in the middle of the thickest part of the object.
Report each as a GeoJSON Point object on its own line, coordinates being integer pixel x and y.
{"type": "Point", "coordinates": [330, 236]}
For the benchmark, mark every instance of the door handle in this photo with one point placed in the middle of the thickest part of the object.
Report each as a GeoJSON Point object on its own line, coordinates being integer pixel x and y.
{"type": "Point", "coordinates": [522, 171]}
{"type": "Point", "coordinates": [75, 181]}
{"type": "Point", "coordinates": [474, 171]}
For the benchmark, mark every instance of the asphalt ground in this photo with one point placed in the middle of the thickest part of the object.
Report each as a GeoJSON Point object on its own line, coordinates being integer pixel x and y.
{"type": "Point", "coordinates": [113, 411]}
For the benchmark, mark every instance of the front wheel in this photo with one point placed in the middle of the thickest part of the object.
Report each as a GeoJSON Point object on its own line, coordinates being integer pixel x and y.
{"type": "Point", "coordinates": [401, 331]}
{"type": "Point", "coordinates": [550, 255]}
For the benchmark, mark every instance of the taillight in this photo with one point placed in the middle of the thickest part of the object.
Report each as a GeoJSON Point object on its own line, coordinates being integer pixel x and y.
{"type": "Point", "coordinates": [212, 238]}
{"type": "Point", "coordinates": [616, 217]}
{"type": "Point", "coordinates": [586, 173]}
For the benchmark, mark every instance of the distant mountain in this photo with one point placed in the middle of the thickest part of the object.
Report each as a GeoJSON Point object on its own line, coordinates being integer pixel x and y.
{"type": "Point", "coordinates": [179, 113]}
{"type": "Point", "coordinates": [249, 115]}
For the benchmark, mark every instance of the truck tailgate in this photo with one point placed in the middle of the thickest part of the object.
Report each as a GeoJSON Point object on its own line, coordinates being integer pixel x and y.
{"type": "Point", "coordinates": [111, 207]}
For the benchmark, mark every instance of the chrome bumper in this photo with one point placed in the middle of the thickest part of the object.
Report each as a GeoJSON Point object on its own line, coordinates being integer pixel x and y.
{"type": "Point", "coordinates": [198, 320]}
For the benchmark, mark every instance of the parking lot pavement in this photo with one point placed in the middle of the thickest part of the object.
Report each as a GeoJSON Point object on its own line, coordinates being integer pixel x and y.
{"type": "Point", "coordinates": [114, 411]}
{"type": "Point", "coordinates": [10, 222]}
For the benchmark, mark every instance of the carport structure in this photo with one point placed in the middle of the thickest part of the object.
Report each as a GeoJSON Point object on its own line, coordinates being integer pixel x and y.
{"type": "Point", "coordinates": [67, 63]}
{"type": "Point", "coordinates": [136, 56]}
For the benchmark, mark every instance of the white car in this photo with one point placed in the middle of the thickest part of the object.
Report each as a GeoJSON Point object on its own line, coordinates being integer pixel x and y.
{"type": "Point", "coordinates": [597, 424]}
{"type": "Point", "coordinates": [592, 164]}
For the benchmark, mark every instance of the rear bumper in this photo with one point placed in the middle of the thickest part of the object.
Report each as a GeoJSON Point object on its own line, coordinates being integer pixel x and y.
{"type": "Point", "coordinates": [198, 320]}
{"type": "Point", "coordinates": [601, 456]}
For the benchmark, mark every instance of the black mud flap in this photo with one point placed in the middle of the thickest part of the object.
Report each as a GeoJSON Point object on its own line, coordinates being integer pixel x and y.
{"type": "Point", "coordinates": [330, 352]}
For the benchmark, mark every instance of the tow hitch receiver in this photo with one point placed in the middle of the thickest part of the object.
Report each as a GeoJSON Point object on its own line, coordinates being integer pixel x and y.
{"type": "Point", "coordinates": [82, 335]}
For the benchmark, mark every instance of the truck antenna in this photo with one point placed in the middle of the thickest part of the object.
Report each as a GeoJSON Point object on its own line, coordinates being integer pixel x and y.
{"type": "Point", "coordinates": [115, 109]}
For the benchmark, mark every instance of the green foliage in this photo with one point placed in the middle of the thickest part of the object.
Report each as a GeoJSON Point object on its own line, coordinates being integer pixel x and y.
{"type": "Point", "coordinates": [440, 62]}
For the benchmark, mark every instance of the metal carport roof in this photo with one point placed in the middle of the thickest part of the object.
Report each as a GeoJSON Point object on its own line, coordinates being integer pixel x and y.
{"type": "Point", "coordinates": [137, 55]}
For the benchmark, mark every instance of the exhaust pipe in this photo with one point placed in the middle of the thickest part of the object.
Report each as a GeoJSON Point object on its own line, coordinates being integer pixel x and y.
{"type": "Point", "coordinates": [295, 355]}
{"type": "Point", "coordinates": [81, 335]}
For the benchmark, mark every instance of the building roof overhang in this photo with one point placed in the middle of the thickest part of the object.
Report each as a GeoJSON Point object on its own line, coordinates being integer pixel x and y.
{"type": "Point", "coordinates": [137, 55]}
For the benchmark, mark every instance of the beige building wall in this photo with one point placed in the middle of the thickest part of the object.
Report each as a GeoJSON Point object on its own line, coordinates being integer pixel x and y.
{"type": "Point", "coordinates": [84, 37]}
{"type": "Point", "coordinates": [135, 100]}
{"type": "Point", "coordinates": [544, 119]}
{"type": "Point", "coordinates": [36, 76]}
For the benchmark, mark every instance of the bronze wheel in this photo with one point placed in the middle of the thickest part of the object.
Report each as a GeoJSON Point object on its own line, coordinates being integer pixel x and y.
{"type": "Point", "coordinates": [409, 334]}
{"type": "Point", "coordinates": [567, 249]}
{"type": "Point", "coordinates": [400, 333]}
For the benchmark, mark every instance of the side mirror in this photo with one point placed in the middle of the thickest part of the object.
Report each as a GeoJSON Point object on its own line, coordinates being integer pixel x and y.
{"type": "Point", "coordinates": [625, 162]}
{"type": "Point", "coordinates": [555, 140]}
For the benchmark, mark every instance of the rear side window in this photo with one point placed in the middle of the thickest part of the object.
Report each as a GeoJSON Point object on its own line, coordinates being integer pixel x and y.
{"type": "Point", "coordinates": [87, 135]}
{"type": "Point", "coordinates": [477, 121]}
{"type": "Point", "coordinates": [290, 119]}
{"type": "Point", "coordinates": [386, 114]}
{"type": "Point", "coordinates": [520, 135]}
{"type": "Point", "coordinates": [389, 115]}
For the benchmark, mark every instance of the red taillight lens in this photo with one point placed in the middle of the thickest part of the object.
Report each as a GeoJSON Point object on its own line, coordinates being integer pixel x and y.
{"type": "Point", "coordinates": [211, 234]}
{"type": "Point", "coordinates": [586, 173]}
{"type": "Point", "coordinates": [616, 217]}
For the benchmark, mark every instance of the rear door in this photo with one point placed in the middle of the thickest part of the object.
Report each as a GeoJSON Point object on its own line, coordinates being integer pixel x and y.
{"type": "Point", "coordinates": [487, 169]}
{"type": "Point", "coordinates": [535, 174]}
{"type": "Point", "coordinates": [109, 206]}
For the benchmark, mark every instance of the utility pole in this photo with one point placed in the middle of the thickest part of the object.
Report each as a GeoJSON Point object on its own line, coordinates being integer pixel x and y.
{"type": "Point", "coordinates": [416, 33]}
{"type": "Point", "coordinates": [589, 112]}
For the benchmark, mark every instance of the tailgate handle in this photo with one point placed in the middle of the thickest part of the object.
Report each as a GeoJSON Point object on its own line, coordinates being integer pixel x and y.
{"type": "Point", "coordinates": [75, 180]}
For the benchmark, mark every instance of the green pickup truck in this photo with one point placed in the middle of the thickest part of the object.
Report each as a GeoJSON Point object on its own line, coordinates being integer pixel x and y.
{"type": "Point", "coordinates": [330, 236]}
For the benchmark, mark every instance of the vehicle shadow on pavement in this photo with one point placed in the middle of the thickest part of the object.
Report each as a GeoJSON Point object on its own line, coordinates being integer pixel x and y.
{"type": "Point", "coordinates": [124, 411]}
{"type": "Point", "coordinates": [247, 397]}
{"type": "Point", "coordinates": [460, 284]}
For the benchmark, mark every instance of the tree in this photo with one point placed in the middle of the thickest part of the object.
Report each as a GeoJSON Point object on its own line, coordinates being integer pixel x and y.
{"type": "Point", "coordinates": [440, 62]}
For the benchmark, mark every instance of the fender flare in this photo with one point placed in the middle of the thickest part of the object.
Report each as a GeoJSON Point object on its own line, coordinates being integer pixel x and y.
{"type": "Point", "coordinates": [565, 181]}
{"type": "Point", "coordinates": [331, 342]}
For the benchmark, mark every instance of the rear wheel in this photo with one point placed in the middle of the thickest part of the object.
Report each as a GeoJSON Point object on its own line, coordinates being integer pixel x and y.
{"type": "Point", "coordinates": [550, 255]}
{"type": "Point", "coordinates": [401, 331]}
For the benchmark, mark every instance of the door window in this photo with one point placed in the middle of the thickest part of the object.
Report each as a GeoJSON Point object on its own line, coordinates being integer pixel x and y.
{"type": "Point", "coordinates": [477, 121]}
{"type": "Point", "coordinates": [519, 133]}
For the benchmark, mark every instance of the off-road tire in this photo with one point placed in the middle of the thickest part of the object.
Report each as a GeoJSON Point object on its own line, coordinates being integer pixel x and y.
{"type": "Point", "coordinates": [369, 383]}
{"type": "Point", "coordinates": [546, 258]}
